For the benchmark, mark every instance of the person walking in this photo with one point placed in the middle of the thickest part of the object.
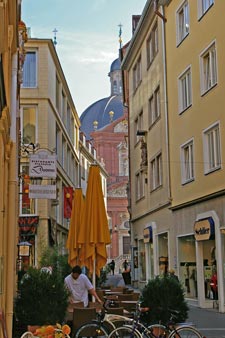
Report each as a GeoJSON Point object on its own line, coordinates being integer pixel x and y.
{"type": "Point", "coordinates": [79, 286]}
{"type": "Point", "coordinates": [112, 266]}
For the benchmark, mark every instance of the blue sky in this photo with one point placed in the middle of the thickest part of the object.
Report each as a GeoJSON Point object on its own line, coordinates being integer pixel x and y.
{"type": "Point", "coordinates": [87, 39]}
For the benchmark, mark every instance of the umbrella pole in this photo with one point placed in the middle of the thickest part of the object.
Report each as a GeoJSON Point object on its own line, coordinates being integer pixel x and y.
{"type": "Point", "coordinates": [94, 279]}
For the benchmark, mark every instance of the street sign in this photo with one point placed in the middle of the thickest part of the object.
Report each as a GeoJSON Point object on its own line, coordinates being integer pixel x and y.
{"type": "Point", "coordinates": [42, 164]}
{"type": "Point", "coordinates": [42, 191]}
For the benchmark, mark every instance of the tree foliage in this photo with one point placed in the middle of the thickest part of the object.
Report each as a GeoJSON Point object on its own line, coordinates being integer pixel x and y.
{"type": "Point", "coordinates": [164, 295]}
{"type": "Point", "coordinates": [42, 298]}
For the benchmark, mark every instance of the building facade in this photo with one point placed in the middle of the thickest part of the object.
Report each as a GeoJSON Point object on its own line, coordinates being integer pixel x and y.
{"type": "Point", "coordinates": [12, 38]}
{"type": "Point", "coordinates": [105, 125]}
{"type": "Point", "coordinates": [49, 128]}
{"type": "Point", "coordinates": [150, 189]}
{"type": "Point", "coordinates": [195, 66]}
{"type": "Point", "coordinates": [176, 105]}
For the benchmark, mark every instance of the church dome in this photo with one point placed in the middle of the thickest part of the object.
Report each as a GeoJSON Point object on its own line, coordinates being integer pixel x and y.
{"type": "Point", "coordinates": [116, 65]}
{"type": "Point", "coordinates": [104, 111]}
{"type": "Point", "coordinates": [99, 114]}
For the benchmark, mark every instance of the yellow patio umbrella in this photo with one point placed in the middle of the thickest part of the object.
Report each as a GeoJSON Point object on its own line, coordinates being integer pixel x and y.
{"type": "Point", "coordinates": [94, 235]}
{"type": "Point", "coordinates": [75, 226]}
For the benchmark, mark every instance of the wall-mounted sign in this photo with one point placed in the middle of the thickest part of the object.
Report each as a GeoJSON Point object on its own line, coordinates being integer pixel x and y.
{"type": "Point", "coordinates": [204, 229]}
{"type": "Point", "coordinates": [42, 191]}
{"type": "Point", "coordinates": [147, 233]}
{"type": "Point", "coordinates": [42, 164]}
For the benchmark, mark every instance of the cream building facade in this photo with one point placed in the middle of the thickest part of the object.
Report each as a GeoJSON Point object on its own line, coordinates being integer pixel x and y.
{"type": "Point", "coordinates": [182, 199]}
{"type": "Point", "coordinates": [150, 193]}
{"type": "Point", "coordinates": [49, 127]}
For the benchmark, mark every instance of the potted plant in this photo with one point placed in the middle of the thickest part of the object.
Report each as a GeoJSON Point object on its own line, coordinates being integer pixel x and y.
{"type": "Point", "coordinates": [162, 295]}
{"type": "Point", "coordinates": [42, 298]}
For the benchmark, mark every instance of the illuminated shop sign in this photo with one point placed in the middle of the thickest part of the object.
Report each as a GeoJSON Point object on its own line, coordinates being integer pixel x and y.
{"type": "Point", "coordinates": [147, 234]}
{"type": "Point", "coordinates": [204, 229]}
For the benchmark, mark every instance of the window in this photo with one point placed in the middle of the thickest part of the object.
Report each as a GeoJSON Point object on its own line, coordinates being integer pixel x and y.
{"type": "Point", "coordinates": [156, 172]}
{"type": "Point", "coordinates": [28, 125]}
{"type": "Point", "coordinates": [139, 185]}
{"type": "Point", "coordinates": [154, 106]}
{"type": "Point", "coordinates": [182, 22]}
{"type": "Point", "coordinates": [57, 96]}
{"type": "Point", "coordinates": [187, 162]}
{"type": "Point", "coordinates": [137, 76]}
{"type": "Point", "coordinates": [208, 68]}
{"type": "Point", "coordinates": [126, 245]}
{"type": "Point", "coordinates": [152, 45]}
{"type": "Point", "coordinates": [27, 205]}
{"type": "Point", "coordinates": [138, 125]}
{"type": "Point", "coordinates": [185, 90]}
{"type": "Point", "coordinates": [30, 70]}
{"type": "Point", "coordinates": [212, 148]}
{"type": "Point", "coordinates": [204, 5]}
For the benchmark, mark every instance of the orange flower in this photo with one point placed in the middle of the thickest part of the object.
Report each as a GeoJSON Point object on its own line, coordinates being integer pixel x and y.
{"type": "Point", "coordinates": [49, 330]}
{"type": "Point", "coordinates": [66, 329]}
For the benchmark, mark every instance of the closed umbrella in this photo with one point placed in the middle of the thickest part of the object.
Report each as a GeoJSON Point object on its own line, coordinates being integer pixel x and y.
{"type": "Point", "coordinates": [94, 235]}
{"type": "Point", "coordinates": [75, 226]}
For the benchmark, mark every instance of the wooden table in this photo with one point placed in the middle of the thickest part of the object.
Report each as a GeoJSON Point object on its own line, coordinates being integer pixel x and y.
{"type": "Point", "coordinates": [129, 305]}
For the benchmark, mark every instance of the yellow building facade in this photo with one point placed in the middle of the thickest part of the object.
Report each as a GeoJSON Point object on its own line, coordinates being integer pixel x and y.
{"type": "Point", "coordinates": [195, 49]}
{"type": "Point", "coordinates": [11, 60]}
{"type": "Point", "coordinates": [177, 208]}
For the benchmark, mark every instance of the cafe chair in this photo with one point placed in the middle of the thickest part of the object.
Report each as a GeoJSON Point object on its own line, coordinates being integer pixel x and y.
{"type": "Point", "coordinates": [82, 316]}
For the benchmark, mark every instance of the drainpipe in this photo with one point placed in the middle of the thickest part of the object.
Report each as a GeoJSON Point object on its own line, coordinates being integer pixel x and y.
{"type": "Point", "coordinates": [157, 12]}
{"type": "Point", "coordinates": [166, 102]}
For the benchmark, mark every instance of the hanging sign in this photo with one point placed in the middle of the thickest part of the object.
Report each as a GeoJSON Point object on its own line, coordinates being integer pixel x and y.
{"type": "Point", "coordinates": [42, 164]}
{"type": "Point", "coordinates": [42, 191]}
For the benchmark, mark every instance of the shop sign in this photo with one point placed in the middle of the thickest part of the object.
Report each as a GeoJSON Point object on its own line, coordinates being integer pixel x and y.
{"type": "Point", "coordinates": [147, 234]}
{"type": "Point", "coordinates": [42, 165]}
{"type": "Point", "coordinates": [204, 229]}
{"type": "Point", "coordinates": [42, 191]}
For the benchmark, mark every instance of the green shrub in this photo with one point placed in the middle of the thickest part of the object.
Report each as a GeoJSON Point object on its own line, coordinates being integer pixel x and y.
{"type": "Point", "coordinates": [161, 295]}
{"type": "Point", "coordinates": [42, 298]}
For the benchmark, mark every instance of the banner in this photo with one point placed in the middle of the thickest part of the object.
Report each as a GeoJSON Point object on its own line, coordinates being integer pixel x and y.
{"type": "Point", "coordinates": [68, 198]}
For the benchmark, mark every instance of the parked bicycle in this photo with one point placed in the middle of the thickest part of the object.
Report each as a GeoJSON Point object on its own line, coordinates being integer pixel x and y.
{"type": "Point", "coordinates": [139, 330]}
{"type": "Point", "coordinates": [104, 323]}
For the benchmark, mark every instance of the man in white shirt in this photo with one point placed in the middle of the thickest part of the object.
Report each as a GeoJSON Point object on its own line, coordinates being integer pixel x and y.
{"type": "Point", "coordinates": [79, 286]}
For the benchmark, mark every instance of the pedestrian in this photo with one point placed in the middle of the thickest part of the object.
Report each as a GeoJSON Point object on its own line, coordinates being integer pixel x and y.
{"type": "Point", "coordinates": [172, 275]}
{"type": "Point", "coordinates": [213, 285]}
{"type": "Point", "coordinates": [125, 265]}
{"type": "Point", "coordinates": [79, 286]}
{"type": "Point", "coordinates": [112, 266]}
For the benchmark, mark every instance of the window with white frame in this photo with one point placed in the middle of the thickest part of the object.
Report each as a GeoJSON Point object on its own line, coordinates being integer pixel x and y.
{"type": "Point", "coordinates": [140, 185]}
{"type": "Point", "coordinates": [212, 148]}
{"type": "Point", "coordinates": [182, 21]}
{"type": "Point", "coordinates": [152, 45]}
{"type": "Point", "coordinates": [208, 68]}
{"type": "Point", "coordinates": [30, 70]}
{"type": "Point", "coordinates": [187, 162]}
{"type": "Point", "coordinates": [156, 171]}
{"type": "Point", "coordinates": [185, 90]}
{"type": "Point", "coordinates": [204, 5]}
{"type": "Point", "coordinates": [137, 76]}
{"type": "Point", "coordinates": [28, 124]}
{"type": "Point", "coordinates": [154, 106]}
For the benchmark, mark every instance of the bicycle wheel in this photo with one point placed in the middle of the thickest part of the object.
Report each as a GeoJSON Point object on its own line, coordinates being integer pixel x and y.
{"type": "Point", "coordinates": [91, 330]}
{"type": "Point", "coordinates": [124, 332]}
{"type": "Point", "coordinates": [185, 332]}
{"type": "Point", "coordinates": [158, 330]}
